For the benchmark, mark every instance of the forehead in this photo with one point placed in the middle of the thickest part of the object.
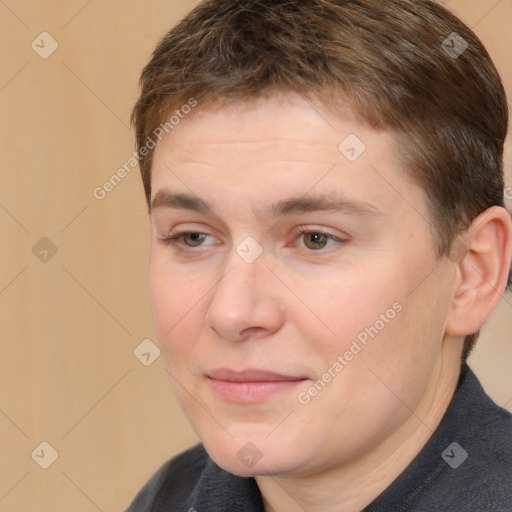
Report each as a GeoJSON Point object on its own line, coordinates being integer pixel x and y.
{"type": "Point", "coordinates": [282, 122]}
{"type": "Point", "coordinates": [280, 146]}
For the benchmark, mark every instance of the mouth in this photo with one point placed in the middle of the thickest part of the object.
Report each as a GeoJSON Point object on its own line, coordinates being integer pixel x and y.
{"type": "Point", "coordinates": [249, 386]}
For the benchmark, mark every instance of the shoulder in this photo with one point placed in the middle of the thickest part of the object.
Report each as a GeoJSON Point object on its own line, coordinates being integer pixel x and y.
{"type": "Point", "coordinates": [487, 471]}
{"type": "Point", "coordinates": [488, 426]}
{"type": "Point", "coordinates": [475, 453]}
{"type": "Point", "coordinates": [466, 465]}
{"type": "Point", "coordinates": [174, 482]}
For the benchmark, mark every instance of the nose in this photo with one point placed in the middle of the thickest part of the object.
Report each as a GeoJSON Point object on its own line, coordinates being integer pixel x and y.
{"type": "Point", "coordinates": [245, 302]}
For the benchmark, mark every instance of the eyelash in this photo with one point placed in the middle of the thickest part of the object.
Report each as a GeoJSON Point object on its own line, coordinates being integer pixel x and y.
{"type": "Point", "coordinates": [301, 231]}
{"type": "Point", "coordinates": [175, 239]}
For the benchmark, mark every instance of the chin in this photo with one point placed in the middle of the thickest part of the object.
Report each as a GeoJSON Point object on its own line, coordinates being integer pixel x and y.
{"type": "Point", "coordinates": [253, 455]}
{"type": "Point", "coordinates": [266, 466]}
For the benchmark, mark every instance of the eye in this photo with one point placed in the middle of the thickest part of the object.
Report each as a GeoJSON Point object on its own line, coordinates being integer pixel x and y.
{"type": "Point", "coordinates": [189, 239]}
{"type": "Point", "coordinates": [316, 239]}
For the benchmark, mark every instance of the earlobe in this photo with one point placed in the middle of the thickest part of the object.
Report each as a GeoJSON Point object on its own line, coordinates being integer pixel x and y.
{"type": "Point", "coordinates": [482, 255]}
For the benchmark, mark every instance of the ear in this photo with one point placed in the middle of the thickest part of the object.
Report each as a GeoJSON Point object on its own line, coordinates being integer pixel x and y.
{"type": "Point", "coordinates": [482, 271]}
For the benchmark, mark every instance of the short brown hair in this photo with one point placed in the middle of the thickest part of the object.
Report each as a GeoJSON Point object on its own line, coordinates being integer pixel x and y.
{"type": "Point", "coordinates": [402, 65]}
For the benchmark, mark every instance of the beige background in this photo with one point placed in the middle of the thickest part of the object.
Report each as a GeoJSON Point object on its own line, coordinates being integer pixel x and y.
{"type": "Point", "coordinates": [69, 325]}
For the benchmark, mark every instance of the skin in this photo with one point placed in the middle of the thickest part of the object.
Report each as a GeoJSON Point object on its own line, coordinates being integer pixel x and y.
{"type": "Point", "coordinates": [304, 300]}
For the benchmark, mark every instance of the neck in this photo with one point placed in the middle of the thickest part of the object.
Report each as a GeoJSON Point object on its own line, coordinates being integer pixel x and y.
{"type": "Point", "coordinates": [355, 484]}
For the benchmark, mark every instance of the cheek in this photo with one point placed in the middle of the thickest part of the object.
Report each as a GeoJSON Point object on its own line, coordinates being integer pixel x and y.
{"type": "Point", "coordinates": [177, 308]}
{"type": "Point", "coordinates": [345, 305]}
{"type": "Point", "coordinates": [371, 320]}
{"type": "Point", "coordinates": [403, 339]}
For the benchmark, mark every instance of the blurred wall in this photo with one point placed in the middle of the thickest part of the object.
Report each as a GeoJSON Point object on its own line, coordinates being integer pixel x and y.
{"type": "Point", "coordinates": [74, 303]}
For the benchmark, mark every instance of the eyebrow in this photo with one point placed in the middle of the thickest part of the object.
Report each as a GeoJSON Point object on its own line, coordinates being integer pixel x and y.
{"type": "Point", "coordinates": [292, 205]}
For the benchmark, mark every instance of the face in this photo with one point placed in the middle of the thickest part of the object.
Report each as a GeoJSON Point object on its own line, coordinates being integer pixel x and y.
{"type": "Point", "coordinates": [295, 286]}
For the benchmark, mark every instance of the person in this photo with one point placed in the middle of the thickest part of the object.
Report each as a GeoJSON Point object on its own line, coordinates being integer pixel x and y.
{"type": "Point", "coordinates": [325, 187]}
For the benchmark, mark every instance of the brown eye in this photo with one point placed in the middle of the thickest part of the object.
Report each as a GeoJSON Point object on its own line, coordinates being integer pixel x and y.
{"type": "Point", "coordinates": [315, 241]}
{"type": "Point", "coordinates": [195, 238]}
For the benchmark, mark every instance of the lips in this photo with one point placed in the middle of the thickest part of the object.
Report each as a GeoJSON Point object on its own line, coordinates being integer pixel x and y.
{"type": "Point", "coordinates": [251, 385]}
{"type": "Point", "coordinates": [250, 376]}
